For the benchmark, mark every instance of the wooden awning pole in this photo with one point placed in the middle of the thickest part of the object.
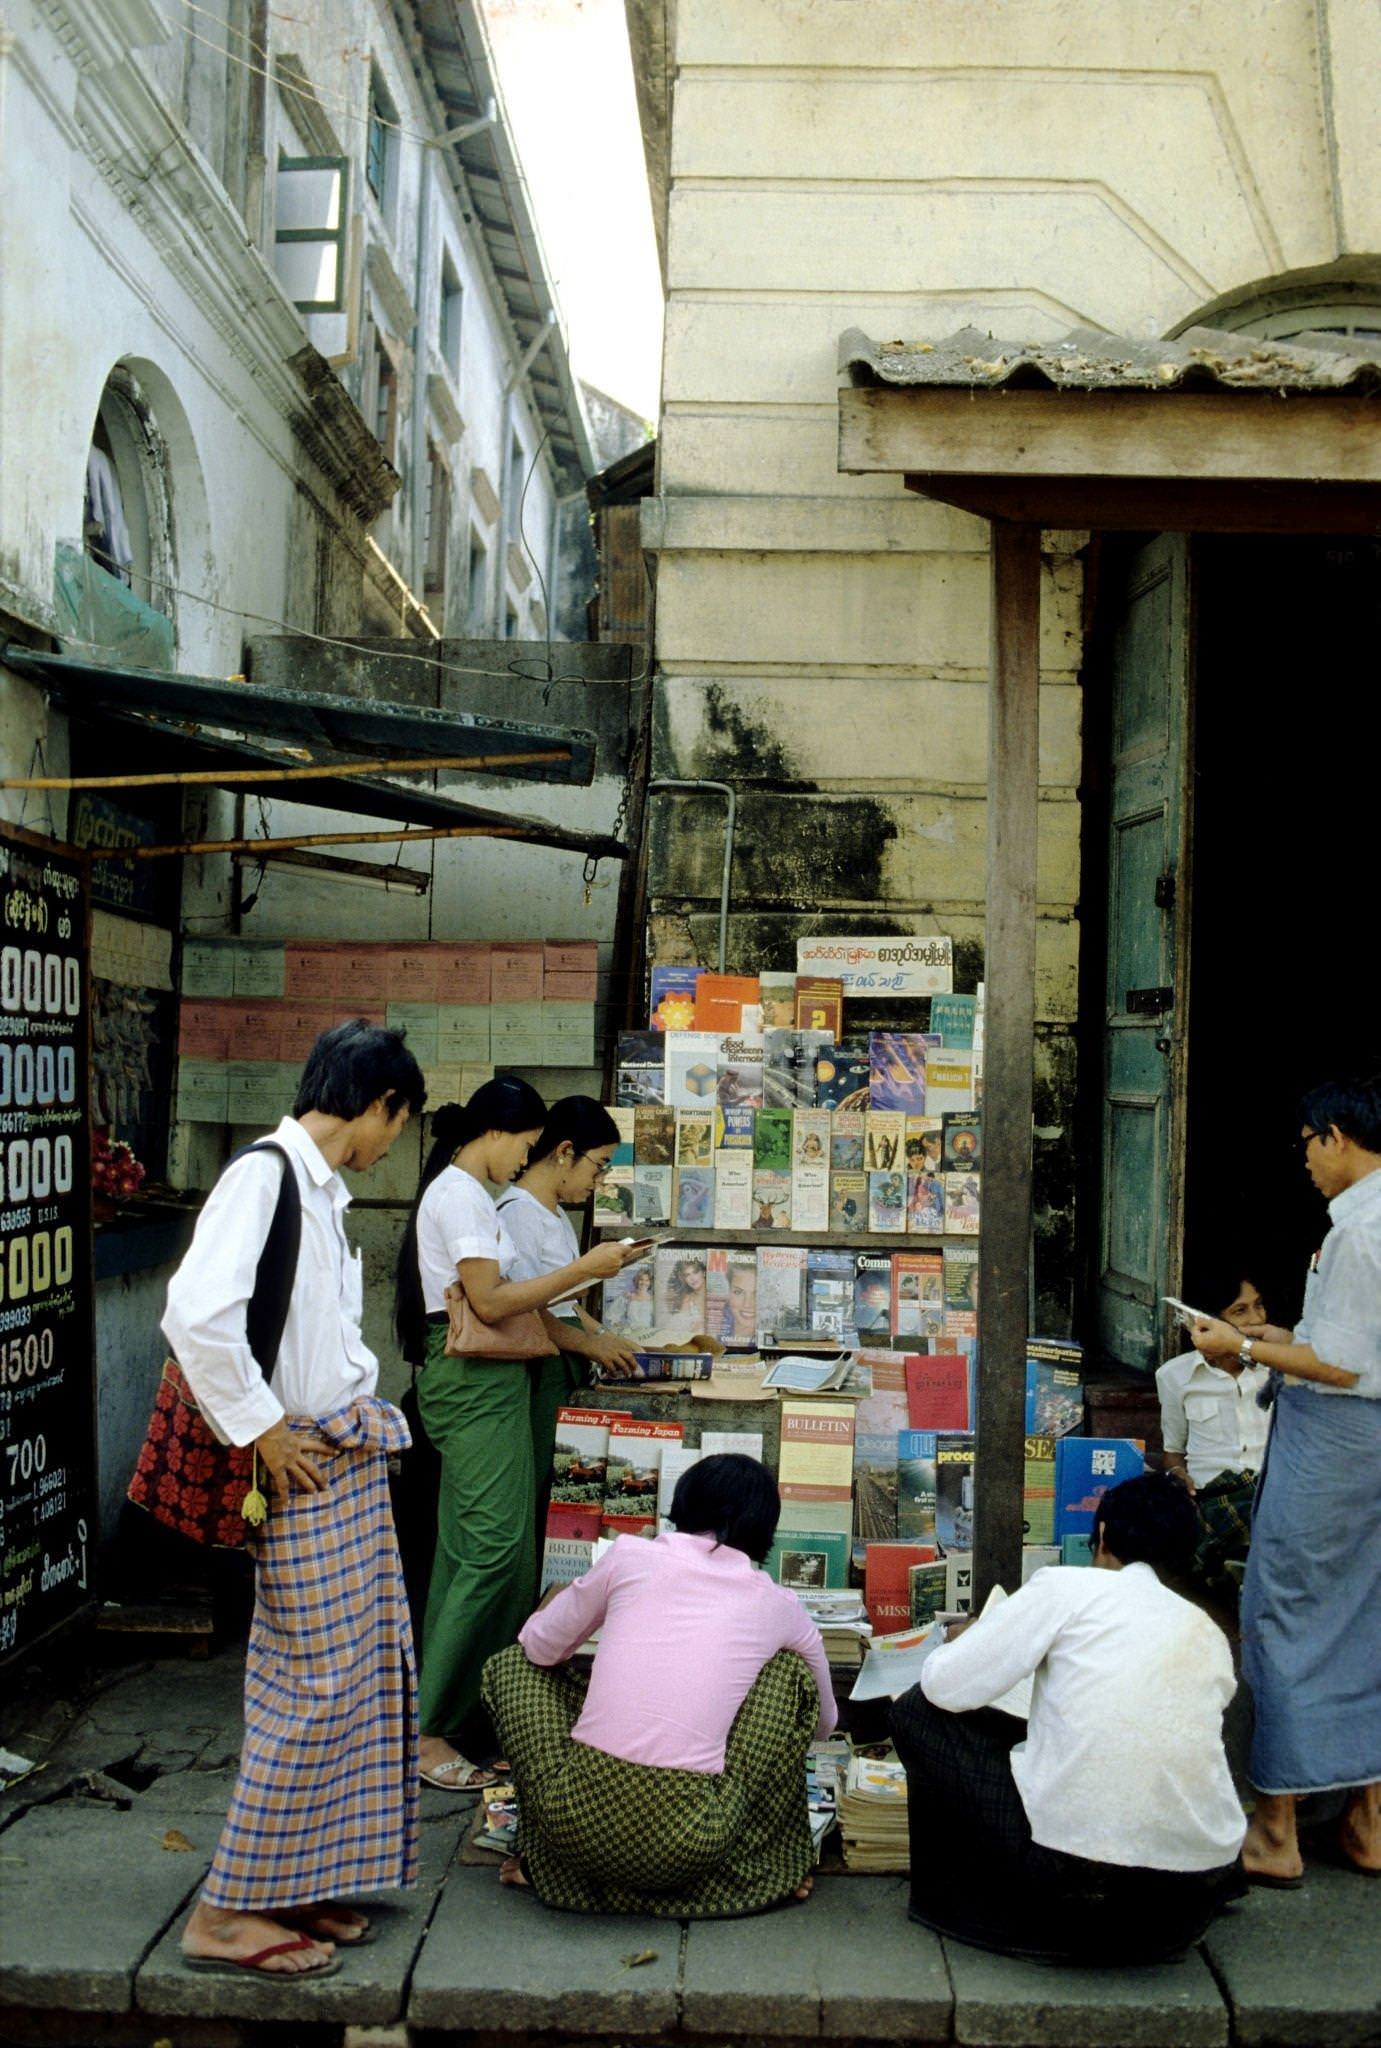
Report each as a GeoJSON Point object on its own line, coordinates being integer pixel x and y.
{"type": "Point", "coordinates": [1009, 1046]}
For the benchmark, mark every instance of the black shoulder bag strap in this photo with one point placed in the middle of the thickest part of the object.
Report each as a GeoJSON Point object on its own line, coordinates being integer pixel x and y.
{"type": "Point", "coordinates": [276, 1274]}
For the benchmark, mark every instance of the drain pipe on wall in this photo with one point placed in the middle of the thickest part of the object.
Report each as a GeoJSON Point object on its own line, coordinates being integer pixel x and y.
{"type": "Point", "coordinates": [725, 790]}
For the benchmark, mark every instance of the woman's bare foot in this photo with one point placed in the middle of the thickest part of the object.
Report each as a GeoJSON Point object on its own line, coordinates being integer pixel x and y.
{"type": "Point", "coordinates": [443, 1766]}
{"type": "Point", "coordinates": [1271, 1848]}
{"type": "Point", "coordinates": [803, 1890]}
{"type": "Point", "coordinates": [513, 1872]}
{"type": "Point", "coordinates": [1359, 1830]}
{"type": "Point", "coordinates": [328, 1922]}
{"type": "Point", "coordinates": [230, 1937]}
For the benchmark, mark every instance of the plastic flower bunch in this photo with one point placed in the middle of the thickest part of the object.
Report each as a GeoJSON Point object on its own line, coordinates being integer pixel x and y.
{"type": "Point", "coordinates": [115, 1172]}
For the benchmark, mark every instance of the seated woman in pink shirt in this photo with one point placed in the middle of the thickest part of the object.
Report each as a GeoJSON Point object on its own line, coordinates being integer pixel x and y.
{"type": "Point", "coordinates": [674, 1781]}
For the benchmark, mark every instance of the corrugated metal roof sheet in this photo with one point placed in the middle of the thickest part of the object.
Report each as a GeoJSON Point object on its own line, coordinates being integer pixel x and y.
{"type": "Point", "coordinates": [1202, 359]}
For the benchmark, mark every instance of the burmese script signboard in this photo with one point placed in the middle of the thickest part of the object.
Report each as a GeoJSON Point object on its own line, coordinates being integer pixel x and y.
{"type": "Point", "coordinates": [47, 1376]}
{"type": "Point", "coordinates": [892, 966]}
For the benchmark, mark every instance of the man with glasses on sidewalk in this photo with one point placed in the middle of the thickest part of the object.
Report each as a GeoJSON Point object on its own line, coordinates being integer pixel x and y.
{"type": "Point", "coordinates": [1311, 1638]}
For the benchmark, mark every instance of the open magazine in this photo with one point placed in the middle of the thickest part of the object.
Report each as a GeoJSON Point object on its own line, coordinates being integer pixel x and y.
{"type": "Point", "coordinates": [894, 1664]}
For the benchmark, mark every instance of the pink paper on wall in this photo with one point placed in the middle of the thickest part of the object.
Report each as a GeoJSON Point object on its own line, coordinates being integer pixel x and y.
{"type": "Point", "coordinates": [309, 973]}
{"type": "Point", "coordinates": [462, 974]}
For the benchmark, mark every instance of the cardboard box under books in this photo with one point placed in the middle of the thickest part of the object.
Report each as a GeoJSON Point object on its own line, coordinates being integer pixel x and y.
{"type": "Point", "coordinates": [515, 972]}
{"type": "Point", "coordinates": [208, 968]}
{"type": "Point", "coordinates": [462, 974]}
{"type": "Point", "coordinates": [202, 1091]}
{"type": "Point", "coordinates": [570, 956]}
{"type": "Point", "coordinates": [253, 1031]}
{"type": "Point", "coordinates": [570, 988]}
{"type": "Point", "coordinates": [463, 1031]}
{"type": "Point", "coordinates": [410, 974]}
{"type": "Point", "coordinates": [258, 970]}
{"type": "Point", "coordinates": [203, 1031]}
{"type": "Point", "coordinates": [310, 973]}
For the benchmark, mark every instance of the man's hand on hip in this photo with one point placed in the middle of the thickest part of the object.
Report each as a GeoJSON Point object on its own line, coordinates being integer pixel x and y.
{"type": "Point", "coordinates": [289, 1467]}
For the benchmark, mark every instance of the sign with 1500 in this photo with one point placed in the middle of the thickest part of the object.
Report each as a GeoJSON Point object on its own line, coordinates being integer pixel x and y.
{"type": "Point", "coordinates": [47, 1378]}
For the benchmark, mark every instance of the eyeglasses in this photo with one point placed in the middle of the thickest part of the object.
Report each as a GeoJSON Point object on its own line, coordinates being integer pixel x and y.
{"type": "Point", "coordinates": [601, 1166]}
{"type": "Point", "coordinates": [1306, 1139]}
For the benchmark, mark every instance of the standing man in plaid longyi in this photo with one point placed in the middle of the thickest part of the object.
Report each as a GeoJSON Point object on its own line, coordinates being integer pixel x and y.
{"type": "Point", "coordinates": [325, 1806]}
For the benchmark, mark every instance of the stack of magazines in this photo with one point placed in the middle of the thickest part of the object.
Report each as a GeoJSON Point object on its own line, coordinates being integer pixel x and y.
{"type": "Point", "coordinates": [872, 1815]}
{"type": "Point", "coordinates": [499, 1831]}
{"type": "Point", "coordinates": [843, 1623]}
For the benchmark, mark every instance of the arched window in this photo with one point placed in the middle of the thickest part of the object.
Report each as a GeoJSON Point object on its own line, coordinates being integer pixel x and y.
{"type": "Point", "coordinates": [127, 514]}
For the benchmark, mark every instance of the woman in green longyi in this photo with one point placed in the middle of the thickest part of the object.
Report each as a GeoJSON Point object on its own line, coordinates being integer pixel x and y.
{"type": "Point", "coordinates": [475, 1410]}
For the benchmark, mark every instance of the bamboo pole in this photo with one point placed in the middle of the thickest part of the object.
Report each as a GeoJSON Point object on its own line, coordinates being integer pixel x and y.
{"type": "Point", "coordinates": [404, 835]}
{"type": "Point", "coordinates": [319, 771]}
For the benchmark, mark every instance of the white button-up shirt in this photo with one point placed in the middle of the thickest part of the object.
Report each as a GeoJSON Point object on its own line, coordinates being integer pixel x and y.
{"type": "Point", "coordinates": [457, 1219]}
{"type": "Point", "coordinates": [1123, 1760]}
{"type": "Point", "coordinates": [1342, 1296]}
{"type": "Point", "coordinates": [1211, 1416]}
{"type": "Point", "coordinates": [323, 1362]}
{"type": "Point", "coordinates": [544, 1241]}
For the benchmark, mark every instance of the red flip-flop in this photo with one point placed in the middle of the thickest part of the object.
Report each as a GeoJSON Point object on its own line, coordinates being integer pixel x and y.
{"type": "Point", "coordinates": [230, 1966]}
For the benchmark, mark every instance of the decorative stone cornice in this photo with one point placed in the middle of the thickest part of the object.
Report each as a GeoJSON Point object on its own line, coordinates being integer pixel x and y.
{"type": "Point", "coordinates": [339, 441]}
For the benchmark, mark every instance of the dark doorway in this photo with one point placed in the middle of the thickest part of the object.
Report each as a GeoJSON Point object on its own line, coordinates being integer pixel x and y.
{"type": "Point", "coordinates": [1286, 835]}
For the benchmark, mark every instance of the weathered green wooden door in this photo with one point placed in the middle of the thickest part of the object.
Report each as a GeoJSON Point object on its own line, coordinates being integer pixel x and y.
{"type": "Point", "coordinates": [1147, 961]}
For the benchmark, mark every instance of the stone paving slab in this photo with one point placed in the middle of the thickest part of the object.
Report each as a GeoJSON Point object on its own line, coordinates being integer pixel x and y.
{"type": "Point", "coordinates": [758, 1976]}
{"type": "Point", "coordinates": [370, 1989]}
{"type": "Point", "coordinates": [1001, 2002]}
{"type": "Point", "coordinates": [497, 1961]}
{"type": "Point", "coordinates": [881, 1978]}
{"type": "Point", "coordinates": [1303, 1969]}
{"type": "Point", "coordinates": [85, 1890]}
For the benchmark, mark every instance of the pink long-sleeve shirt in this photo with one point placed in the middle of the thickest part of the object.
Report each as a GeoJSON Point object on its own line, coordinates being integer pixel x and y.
{"type": "Point", "coordinates": [686, 1625]}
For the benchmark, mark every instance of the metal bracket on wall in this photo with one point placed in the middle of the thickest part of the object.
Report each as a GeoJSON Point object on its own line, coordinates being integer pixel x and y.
{"type": "Point", "coordinates": [725, 790]}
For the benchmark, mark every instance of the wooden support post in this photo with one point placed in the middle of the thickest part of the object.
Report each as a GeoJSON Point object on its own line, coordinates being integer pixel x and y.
{"type": "Point", "coordinates": [1009, 1046]}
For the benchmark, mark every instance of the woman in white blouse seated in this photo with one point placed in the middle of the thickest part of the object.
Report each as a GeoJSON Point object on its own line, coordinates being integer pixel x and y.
{"type": "Point", "coordinates": [1105, 1829]}
{"type": "Point", "coordinates": [477, 1411]}
{"type": "Point", "coordinates": [564, 1167]}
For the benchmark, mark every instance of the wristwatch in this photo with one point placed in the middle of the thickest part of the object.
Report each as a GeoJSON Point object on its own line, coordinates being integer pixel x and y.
{"type": "Point", "coordinates": [1246, 1356]}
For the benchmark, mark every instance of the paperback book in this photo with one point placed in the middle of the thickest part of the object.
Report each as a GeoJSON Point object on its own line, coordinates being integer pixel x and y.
{"type": "Point", "coordinates": [695, 1197]}
{"type": "Point", "coordinates": [897, 1071]}
{"type": "Point", "coordinates": [694, 1137]}
{"type": "Point", "coordinates": [848, 1201]}
{"type": "Point", "coordinates": [628, 1308]}
{"type": "Point", "coordinates": [918, 1307]}
{"type": "Point", "coordinates": [810, 1198]}
{"type": "Point", "coordinates": [809, 1560]}
{"type": "Point", "coordinates": [961, 1281]}
{"type": "Point", "coordinates": [781, 1287]}
{"type": "Point", "coordinates": [884, 1141]}
{"type": "Point", "coordinates": [815, 1467]}
{"type": "Point", "coordinates": [819, 1004]}
{"type": "Point", "coordinates": [788, 1074]}
{"type": "Point", "coordinates": [963, 1140]}
{"type": "Point", "coordinates": [640, 1068]}
{"type": "Point", "coordinates": [739, 1083]}
{"type": "Point", "coordinates": [846, 1141]}
{"type": "Point", "coordinates": [1038, 1491]}
{"type": "Point", "coordinates": [810, 1138]}
{"type": "Point", "coordinates": [841, 1077]}
{"type": "Point", "coordinates": [954, 1461]}
{"type": "Point", "coordinates": [733, 1190]}
{"type": "Point", "coordinates": [732, 1288]}
{"type": "Point", "coordinates": [949, 1082]}
{"type": "Point", "coordinates": [937, 1391]}
{"type": "Point", "coordinates": [1054, 1388]}
{"type": "Point", "coordinates": [652, 1194]}
{"type": "Point", "coordinates": [887, 1202]}
{"type": "Point", "coordinates": [579, 1464]}
{"type": "Point", "coordinates": [734, 1124]}
{"type": "Point", "coordinates": [952, 1018]}
{"type": "Point", "coordinates": [924, 1144]}
{"type": "Point", "coordinates": [614, 1197]}
{"type": "Point", "coordinates": [671, 1005]}
{"type": "Point", "coordinates": [679, 1281]}
{"type": "Point", "coordinates": [887, 1582]}
{"type": "Point", "coordinates": [654, 1135]}
{"type": "Point", "coordinates": [916, 1485]}
{"type": "Point", "coordinates": [1085, 1467]}
{"type": "Point", "coordinates": [962, 1204]}
{"type": "Point", "coordinates": [720, 1000]}
{"type": "Point", "coordinates": [772, 1141]}
{"type": "Point", "coordinates": [692, 1069]}
{"type": "Point", "coordinates": [873, 1297]}
{"type": "Point", "coordinates": [925, 1204]}
{"type": "Point", "coordinates": [829, 1293]}
{"type": "Point", "coordinates": [631, 1476]}
{"type": "Point", "coordinates": [771, 1200]}
{"type": "Point", "coordinates": [777, 1001]}
{"type": "Point", "coordinates": [927, 1587]}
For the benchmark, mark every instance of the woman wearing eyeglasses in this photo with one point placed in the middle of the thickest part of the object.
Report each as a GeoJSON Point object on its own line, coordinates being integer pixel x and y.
{"type": "Point", "coordinates": [563, 1170]}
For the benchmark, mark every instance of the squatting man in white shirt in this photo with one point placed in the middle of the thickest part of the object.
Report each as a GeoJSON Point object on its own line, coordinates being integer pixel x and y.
{"type": "Point", "coordinates": [1214, 1425]}
{"type": "Point", "coordinates": [325, 1806]}
{"type": "Point", "coordinates": [1106, 1828]}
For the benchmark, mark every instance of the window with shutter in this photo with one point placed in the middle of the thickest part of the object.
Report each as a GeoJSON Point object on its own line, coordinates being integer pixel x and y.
{"type": "Point", "coordinates": [309, 231]}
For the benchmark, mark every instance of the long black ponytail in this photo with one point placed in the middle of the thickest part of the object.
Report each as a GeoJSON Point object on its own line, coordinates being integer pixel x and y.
{"type": "Point", "coordinates": [506, 1104]}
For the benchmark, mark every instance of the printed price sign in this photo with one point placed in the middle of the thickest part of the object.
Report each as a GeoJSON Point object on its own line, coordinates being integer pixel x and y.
{"type": "Point", "coordinates": [47, 1385]}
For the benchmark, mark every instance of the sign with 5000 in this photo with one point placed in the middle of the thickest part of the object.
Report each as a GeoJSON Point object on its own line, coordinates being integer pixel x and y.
{"type": "Point", "coordinates": [47, 1382]}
